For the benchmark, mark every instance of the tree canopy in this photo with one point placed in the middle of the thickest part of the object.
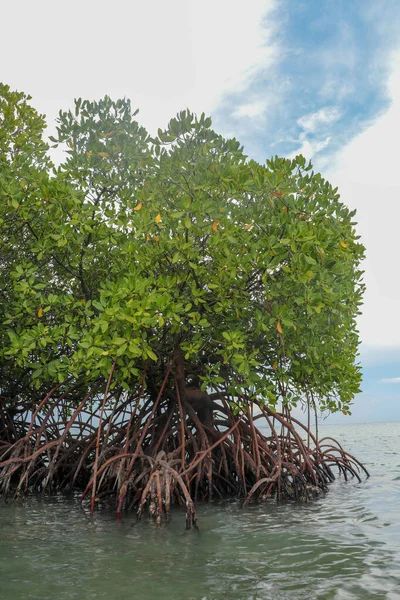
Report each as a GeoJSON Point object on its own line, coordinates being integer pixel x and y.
{"type": "Point", "coordinates": [137, 246]}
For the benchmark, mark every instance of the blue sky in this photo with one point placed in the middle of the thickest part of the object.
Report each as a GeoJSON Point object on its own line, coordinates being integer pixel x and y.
{"type": "Point", "coordinates": [318, 77]}
{"type": "Point", "coordinates": [328, 80]}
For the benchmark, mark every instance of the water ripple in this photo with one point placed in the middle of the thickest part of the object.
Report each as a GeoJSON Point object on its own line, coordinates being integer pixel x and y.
{"type": "Point", "coordinates": [344, 545]}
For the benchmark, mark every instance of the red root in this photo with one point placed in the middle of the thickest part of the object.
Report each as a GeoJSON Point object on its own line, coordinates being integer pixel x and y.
{"type": "Point", "coordinates": [149, 455]}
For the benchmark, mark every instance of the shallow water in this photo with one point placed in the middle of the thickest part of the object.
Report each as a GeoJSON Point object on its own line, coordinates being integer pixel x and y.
{"type": "Point", "coordinates": [345, 545]}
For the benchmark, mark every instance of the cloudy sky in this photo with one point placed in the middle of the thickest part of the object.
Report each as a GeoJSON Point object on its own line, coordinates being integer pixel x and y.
{"type": "Point", "coordinates": [318, 77]}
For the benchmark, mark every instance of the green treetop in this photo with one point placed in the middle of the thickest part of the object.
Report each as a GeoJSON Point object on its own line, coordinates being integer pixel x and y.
{"type": "Point", "coordinates": [136, 248]}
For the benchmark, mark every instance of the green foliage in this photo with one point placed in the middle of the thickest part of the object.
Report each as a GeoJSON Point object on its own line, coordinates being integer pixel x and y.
{"type": "Point", "coordinates": [137, 246]}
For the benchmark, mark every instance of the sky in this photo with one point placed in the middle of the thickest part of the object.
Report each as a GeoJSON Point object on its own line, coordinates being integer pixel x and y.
{"type": "Point", "coordinates": [316, 77]}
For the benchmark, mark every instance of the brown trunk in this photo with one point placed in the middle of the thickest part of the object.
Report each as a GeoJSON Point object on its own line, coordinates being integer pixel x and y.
{"type": "Point", "coordinates": [199, 400]}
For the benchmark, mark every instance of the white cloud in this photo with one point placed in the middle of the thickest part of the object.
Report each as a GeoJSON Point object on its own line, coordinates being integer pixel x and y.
{"type": "Point", "coordinates": [310, 148]}
{"type": "Point", "coordinates": [367, 174]}
{"type": "Point", "coordinates": [251, 110]}
{"type": "Point", "coordinates": [313, 121]}
{"type": "Point", "coordinates": [164, 56]}
{"type": "Point", "coordinates": [391, 380]}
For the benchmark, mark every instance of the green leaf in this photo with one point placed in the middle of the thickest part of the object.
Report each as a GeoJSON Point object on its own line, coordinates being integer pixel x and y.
{"type": "Point", "coordinates": [151, 354]}
{"type": "Point", "coordinates": [122, 349]}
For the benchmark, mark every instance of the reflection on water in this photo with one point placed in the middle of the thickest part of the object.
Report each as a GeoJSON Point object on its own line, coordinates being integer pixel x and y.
{"type": "Point", "coordinates": [345, 545]}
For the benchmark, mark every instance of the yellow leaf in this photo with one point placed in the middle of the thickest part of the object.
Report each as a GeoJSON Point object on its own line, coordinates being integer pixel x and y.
{"type": "Point", "coordinates": [285, 209]}
{"type": "Point", "coordinates": [248, 226]}
{"type": "Point", "coordinates": [277, 194]}
{"type": "Point", "coordinates": [213, 167]}
{"type": "Point", "coordinates": [89, 153]}
{"type": "Point", "coordinates": [275, 365]}
{"type": "Point", "coordinates": [158, 218]}
{"type": "Point", "coordinates": [105, 353]}
{"type": "Point", "coordinates": [156, 238]}
{"type": "Point", "coordinates": [279, 327]}
{"type": "Point", "coordinates": [320, 255]}
{"type": "Point", "coordinates": [309, 273]}
{"type": "Point", "coordinates": [343, 244]}
{"type": "Point", "coordinates": [70, 144]}
{"type": "Point", "coordinates": [103, 154]}
{"type": "Point", "coordinates": [139, 206]}
{"type": "Point", "coordinates": [294, 327]}
{"type": "Point", "coordinates": [147, 237]}
{"type": "Point", "coordinates": [107, 135]}
{"type": "Point", "coordinates": [40, 313]}
{"type": "Point", "coordinates": [344, 412]}
{"type": "Point", "coordinates": [272, 253]}
{"type": "Point", "coordinates": [215, 225]}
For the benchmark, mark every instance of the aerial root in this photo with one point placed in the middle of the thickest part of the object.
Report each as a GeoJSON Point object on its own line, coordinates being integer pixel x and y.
{"type": "Point", "coordinates": [150, 455]}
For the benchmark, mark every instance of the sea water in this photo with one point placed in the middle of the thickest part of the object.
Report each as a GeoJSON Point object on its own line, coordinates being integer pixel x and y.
{"type": "Point", "coordinates": [344, 545]}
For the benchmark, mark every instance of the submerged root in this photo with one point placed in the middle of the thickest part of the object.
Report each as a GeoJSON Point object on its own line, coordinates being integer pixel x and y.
{"type": "Point", "coordinates": [164, 481]}
{"type": "Point", "coordinates": [148, 455]}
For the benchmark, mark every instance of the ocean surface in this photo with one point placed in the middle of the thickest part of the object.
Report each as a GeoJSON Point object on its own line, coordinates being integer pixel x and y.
{"type": "Point", "coordinates": [344, 545]}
